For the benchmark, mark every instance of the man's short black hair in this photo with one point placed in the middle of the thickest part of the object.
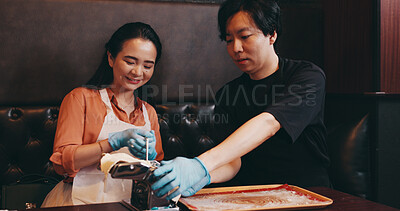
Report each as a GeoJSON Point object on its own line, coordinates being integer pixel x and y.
{"type": "Point", "coordinates": [265, 14]}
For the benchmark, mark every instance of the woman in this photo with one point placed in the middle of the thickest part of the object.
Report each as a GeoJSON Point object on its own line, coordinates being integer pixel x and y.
{"type": "Point", "coordinates": [106, 116]}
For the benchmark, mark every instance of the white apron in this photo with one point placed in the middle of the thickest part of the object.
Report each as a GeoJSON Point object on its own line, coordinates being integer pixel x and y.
{"type": "Point", "coordinates": [90, 184]}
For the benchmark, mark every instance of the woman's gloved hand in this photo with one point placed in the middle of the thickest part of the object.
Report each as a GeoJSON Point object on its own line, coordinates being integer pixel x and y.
{"type": "Point", "coordinates": [135, 140]}
{"type": "Point", "coordinates": [189, 175]}
{"type": "Point", "coordinates": [138, 146]}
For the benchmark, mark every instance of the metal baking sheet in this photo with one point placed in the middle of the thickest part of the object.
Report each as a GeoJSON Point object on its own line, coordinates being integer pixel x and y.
{"type": "Point", "coordinates": [259, 197]}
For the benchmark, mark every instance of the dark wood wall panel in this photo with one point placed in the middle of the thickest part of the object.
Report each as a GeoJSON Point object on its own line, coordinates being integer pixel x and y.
{"type": "Point", "coordinates": [387, 151]}
{"type": "Point", "coordinates": [302, 34]}
{"type": "Point", "coordinates": [50, 47]}
{"type": "Point", "coordinates": [348, 49]}
{"type": "Point", "coordinates": [390, 46]}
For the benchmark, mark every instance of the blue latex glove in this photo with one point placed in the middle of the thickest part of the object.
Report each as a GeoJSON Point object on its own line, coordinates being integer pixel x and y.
{"type": "Point", "coordinates": [183, 172]}
{"type": "Point", "coordinates": [192, 190]}
{"type": "Point", "coordinates": [134, 139]}
{"type": "Point", "coordinates": [139, 146]}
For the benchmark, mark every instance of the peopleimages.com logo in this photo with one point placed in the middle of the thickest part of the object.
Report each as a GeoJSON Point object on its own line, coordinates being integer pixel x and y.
{"type": "Point", "coordinates": [259, 95]}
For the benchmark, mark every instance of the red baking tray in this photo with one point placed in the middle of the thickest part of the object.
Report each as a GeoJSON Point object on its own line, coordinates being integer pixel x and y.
{"type": "Point", "coordinates": [259, 197]}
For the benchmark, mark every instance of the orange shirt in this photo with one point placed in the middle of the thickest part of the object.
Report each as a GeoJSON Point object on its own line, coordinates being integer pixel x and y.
{"type": "Point", "coordinates": [81, 118]}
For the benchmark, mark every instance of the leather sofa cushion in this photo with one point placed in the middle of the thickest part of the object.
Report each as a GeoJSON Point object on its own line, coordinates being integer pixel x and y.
{"type": "Point", "coordinates": [348, 145]}
{"type": "Point", "coordinates": [27, 133]}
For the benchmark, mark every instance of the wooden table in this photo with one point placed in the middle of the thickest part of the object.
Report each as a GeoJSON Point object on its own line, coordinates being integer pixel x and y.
{"type": "Point", "coordinates": [90, 207]}
{"type": "Point", "coordinates": [344, 201]}
{"type": "Point", "coordinates": [341, 201]}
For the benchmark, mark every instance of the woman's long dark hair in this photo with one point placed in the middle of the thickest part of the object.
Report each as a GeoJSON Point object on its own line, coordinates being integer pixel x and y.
{"type": "Point", "coordinates": [103, 77]}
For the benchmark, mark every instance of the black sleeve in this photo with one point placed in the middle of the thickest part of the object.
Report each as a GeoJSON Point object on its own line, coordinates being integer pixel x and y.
{"type": "Point", "coordinates": [296, 104]}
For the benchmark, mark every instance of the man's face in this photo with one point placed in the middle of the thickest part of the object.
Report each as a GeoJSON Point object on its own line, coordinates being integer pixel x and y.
{"type": "Point", "coordinates": [248, 47]}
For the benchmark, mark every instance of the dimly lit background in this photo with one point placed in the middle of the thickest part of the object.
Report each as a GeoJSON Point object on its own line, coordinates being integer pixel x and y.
{"type": "Point", "coordinates": [49, 47]}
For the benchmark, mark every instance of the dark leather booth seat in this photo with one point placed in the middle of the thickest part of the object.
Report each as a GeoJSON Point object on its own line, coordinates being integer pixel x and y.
{"type": "Point", "coordinates": [26, 140]}
{"type": "Point", "coordinates": [26, 143]}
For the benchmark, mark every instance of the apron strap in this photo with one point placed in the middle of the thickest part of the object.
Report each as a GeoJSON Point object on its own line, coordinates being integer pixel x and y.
{"type": "Point", "coordinates": [105, 98]}
{"type": "Point", "coordinates": [146, 117]}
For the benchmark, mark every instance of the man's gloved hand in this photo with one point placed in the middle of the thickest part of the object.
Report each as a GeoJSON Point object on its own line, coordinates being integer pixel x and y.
{"type": "Point", "coordinates": [192, 190]}
{"type": "Point", "coordinates": [134, 139]}
{"type": "Point", "coordinates": [189, 175]}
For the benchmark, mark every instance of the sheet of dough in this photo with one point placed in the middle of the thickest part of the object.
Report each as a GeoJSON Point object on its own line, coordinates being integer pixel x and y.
{"type": "Point", "coordinates": [110, 159]}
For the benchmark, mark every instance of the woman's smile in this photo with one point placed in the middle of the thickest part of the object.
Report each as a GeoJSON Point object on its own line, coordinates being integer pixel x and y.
{"type": "Point", "coordinates": [133, 81]}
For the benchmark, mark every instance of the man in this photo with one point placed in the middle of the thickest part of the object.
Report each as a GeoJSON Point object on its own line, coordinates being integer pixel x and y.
{"type": "Point", "coordinates": [275, 108]}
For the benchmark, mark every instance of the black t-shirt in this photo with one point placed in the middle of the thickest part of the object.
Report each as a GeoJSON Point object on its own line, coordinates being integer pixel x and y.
{"type": "Point", "coordinates": [294, 95]}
